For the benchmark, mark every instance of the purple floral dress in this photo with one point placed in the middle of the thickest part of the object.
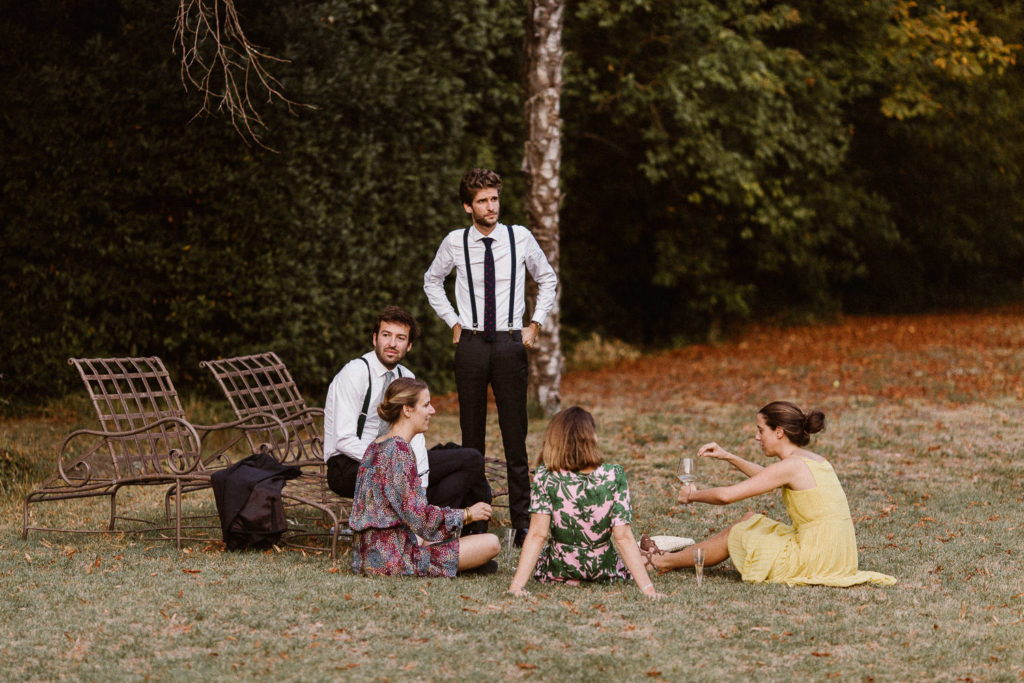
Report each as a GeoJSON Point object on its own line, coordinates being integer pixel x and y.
{"type": "Point", "coordinates": [390, 509]}
{"type": "Point", "coordinates": [583, 509]}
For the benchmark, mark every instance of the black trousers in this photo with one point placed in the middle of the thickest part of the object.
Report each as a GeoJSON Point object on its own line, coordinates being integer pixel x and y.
{"type": "Point", "coordinates": [457, 479]}
{"type": "Point", "coordinates": [502, 365]}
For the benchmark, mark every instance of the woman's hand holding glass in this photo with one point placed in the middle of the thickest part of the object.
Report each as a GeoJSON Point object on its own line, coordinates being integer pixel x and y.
{"type": "Point", "coordinates": [686, 472]}
{"type": "Point", "coordinates": [686, 492]}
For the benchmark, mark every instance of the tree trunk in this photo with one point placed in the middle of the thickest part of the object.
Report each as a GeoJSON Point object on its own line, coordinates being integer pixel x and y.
{"type": "Point", "coordinates": [541, 164]}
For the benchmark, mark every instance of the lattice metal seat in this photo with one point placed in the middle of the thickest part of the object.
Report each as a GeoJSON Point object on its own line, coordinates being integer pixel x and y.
{"type": "Point", "coordinates": [144, 439]}
{"type": "Point", "coordinates": [260, 385]}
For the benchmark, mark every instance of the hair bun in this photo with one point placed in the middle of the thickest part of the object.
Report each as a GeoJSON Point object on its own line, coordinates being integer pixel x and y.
{"type": "Point", "coordinates": [814, 422]}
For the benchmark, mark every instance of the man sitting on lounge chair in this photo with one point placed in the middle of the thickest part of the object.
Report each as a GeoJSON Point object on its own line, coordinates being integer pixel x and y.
{"type": "Point", "coordinates": [452, 477]}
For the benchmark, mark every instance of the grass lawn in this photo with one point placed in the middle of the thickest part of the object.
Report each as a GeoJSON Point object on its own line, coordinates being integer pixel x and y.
{"type": "Point", "coordinates": [925, 426]}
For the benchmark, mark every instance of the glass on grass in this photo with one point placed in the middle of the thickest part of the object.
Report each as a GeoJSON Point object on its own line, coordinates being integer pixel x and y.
{"type": "Point", "coordinates": [686, 471]}
{"type": "Point", "coordinates": [509, 549]}
{"type": "Point", "coordinates": [698, 565]}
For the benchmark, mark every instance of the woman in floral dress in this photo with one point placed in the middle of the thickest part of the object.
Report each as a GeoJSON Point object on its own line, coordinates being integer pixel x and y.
{"type": "Point", "coordinates": [583, 505]}
{"type": "Point", "coordinates": [397, 531]}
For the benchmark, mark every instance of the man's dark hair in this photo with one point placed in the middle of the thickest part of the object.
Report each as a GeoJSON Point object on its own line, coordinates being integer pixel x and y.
{"type": "Point", "coordinates": [394, 314]}
{"type": "Point", "coordinates": [475, 180]}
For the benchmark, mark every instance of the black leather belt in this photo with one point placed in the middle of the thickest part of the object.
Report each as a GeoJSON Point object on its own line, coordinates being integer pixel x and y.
{"type": "Point", "coordinates": [498, 333]}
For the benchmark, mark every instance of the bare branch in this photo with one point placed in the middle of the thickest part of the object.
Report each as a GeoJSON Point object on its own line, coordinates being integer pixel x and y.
{"type": "Point", "coordinates": [219, 61]}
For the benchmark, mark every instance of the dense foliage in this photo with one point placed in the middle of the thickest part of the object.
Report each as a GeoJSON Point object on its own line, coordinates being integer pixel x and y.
{"type": "Point", "coordinates": [768, 159]}
{"type": "Point", "coordinates": [724, 161]}
{"type": "Point", "coordinates": [130, 230]}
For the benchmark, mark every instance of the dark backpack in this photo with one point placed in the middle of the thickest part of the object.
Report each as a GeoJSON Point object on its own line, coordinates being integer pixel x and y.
{"type": "Point", "coordinates": [249, 504]}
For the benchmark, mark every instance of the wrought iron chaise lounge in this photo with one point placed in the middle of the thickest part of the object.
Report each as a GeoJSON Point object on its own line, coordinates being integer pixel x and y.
{"type": "Point", "coordinates": [144, 439]}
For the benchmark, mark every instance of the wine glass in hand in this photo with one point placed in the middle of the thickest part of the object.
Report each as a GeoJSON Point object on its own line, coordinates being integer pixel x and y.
{"type": "Point", "coordinates": [686, 471]}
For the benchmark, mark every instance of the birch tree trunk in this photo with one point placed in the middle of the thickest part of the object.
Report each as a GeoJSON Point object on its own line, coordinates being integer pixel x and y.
{"type": "Point", "coordinates": [542, 164]}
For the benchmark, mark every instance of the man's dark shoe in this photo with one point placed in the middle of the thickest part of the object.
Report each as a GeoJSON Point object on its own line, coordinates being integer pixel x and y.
{"type": "Point", "coordinates": [520, 537]}
{"type": "Point", "coordinates": [488, 567]}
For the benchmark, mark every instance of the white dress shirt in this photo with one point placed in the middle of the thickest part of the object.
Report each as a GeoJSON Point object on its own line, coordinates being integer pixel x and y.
{"type": "Point", "coordinates": [529, 257]}
{"type": "Point", "coordinates": [345, 403]}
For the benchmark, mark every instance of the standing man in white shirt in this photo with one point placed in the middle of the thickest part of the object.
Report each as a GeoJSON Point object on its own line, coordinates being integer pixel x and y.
{"type": "Point", "coordinates": [491, 260]}
{"type": "Point", "coordinates": [452, 477]}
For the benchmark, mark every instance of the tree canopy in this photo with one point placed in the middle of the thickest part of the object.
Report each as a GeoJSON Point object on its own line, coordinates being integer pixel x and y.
{"type": "Point", "coordinates": [722, 161]}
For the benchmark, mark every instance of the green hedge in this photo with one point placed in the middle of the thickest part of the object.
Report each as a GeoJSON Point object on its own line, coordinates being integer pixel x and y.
{"type": "Point", "coordinates": [723, 161]}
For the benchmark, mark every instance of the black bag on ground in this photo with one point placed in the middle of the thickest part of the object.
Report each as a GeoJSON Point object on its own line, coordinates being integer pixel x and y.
{"type": "Point", "coordinates": [249, 504]}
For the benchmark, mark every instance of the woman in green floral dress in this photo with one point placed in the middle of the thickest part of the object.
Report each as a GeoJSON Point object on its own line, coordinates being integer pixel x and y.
{"type": "Point", "coordinates": [583, 504]}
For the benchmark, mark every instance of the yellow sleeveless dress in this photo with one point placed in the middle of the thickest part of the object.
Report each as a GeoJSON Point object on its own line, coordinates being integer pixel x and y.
{"type": "Point", "coordinates": [820, 548]}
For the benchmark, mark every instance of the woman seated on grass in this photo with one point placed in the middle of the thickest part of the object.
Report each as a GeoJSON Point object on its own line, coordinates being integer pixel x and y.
{"type": "Point", "coordinates": [584, 504]}
{"type": "Point", "coordinates": [390, 512]}
{"type": "Point", "coordinates": [820, 547]}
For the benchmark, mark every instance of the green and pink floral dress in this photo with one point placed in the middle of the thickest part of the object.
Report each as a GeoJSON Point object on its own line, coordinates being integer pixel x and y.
{"type": "Point", "coordinates": [583, 509]}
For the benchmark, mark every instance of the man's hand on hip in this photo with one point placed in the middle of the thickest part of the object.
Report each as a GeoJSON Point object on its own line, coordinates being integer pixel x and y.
{"type": "Point", "coordinates": [456, 333]}
{"type": "Point", "coordinates": [529, 335]}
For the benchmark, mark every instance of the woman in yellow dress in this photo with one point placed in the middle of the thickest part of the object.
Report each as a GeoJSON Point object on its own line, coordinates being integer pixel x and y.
{"type": "Point", "coordinates": [819, 548]}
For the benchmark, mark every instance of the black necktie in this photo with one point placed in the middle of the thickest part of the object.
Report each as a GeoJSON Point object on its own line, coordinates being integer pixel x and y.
{"type": "Point", "coordinates": [490, 308]}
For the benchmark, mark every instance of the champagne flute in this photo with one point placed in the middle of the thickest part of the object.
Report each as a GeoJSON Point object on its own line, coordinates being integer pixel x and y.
{"type": "Point", "coordinates": [510, 535]}
{"type": "Point", "coordinates": [698, 565]}
{"type": "Point", "coordinates": [686, 471]}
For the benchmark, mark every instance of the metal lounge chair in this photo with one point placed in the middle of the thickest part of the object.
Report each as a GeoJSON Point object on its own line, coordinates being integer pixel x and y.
{"type": "Point", "coordinates": [260, 385]}
{"type": "Point", "coordinates": [143, 439]}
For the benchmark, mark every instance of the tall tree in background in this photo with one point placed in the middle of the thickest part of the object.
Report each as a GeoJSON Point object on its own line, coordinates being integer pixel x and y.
{"type": "Point", "coordinates": [542, 163]}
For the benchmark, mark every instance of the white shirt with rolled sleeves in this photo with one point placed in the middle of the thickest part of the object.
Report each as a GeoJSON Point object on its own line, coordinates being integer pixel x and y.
{"type": "Point", "coordinates": [529, 255]}
{"type": "Point", "coordinates": [344, 404]}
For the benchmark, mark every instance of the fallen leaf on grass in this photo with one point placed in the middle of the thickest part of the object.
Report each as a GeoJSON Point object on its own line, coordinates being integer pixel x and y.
{"type": "Point", "coordinates": [653, 673]}
{"type": "Point", "coordinates": [332, 570]}
{"type": "Point", "coordinates": [470, 609]}
{"type": "Point", "coordinates": [192, 571]}
{"type": "Point", "coordinates": [822, 654]}
{"type": "Point", "coordinates": [526, 665]}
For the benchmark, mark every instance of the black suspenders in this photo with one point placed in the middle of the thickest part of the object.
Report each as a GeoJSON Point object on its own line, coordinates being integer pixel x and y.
{"type": "Point", "coordinates": [512, 285]}
{"type": "Point", "coordinates": [469, 274]}
{"type": "Point", "coordinates": [366, 400]}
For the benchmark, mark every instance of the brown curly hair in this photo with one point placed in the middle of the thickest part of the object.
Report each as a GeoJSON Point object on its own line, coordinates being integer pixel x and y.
{"type": "Point", "coordinates": [477, 179]}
